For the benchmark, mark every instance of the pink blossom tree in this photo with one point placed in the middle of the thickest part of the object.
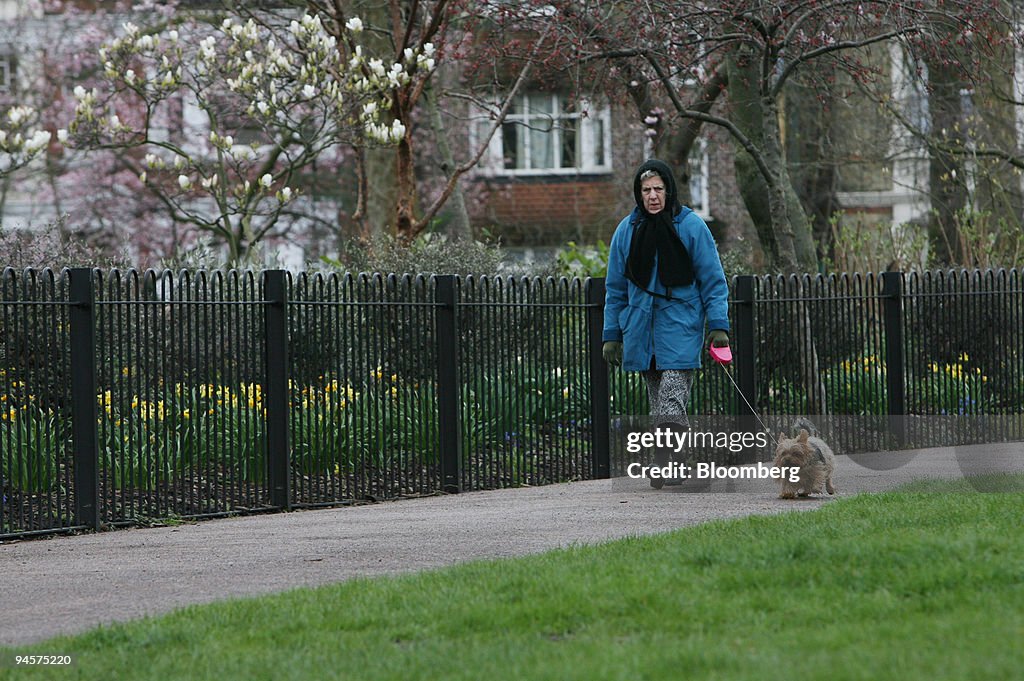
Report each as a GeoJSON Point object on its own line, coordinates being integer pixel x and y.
{"type": "Point", "coordinates": [675, 60]}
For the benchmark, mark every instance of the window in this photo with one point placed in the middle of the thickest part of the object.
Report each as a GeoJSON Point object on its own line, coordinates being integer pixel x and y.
{"type": "Point", "coordinates": [910, 89]}
{"type": "Point", "coordinates": [7, 69]}
{"type": "Point", "coordinates": [698, 167]}
{"type": "Point", "coordinates": [546, 134]}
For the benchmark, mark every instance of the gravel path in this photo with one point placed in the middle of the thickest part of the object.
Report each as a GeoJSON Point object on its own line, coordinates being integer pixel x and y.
{"type": "Point", "coordinates": [67, 584]}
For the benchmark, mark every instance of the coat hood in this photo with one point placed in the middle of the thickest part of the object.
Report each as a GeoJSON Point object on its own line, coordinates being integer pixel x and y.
{"type": "Point", "coordinates": [671, 192]}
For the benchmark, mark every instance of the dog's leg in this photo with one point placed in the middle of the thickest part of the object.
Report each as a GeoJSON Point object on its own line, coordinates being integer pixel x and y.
{"type": "Point", "coordinates": [787, 491]}
{"type": "Point", "coordinates": [829, 487]}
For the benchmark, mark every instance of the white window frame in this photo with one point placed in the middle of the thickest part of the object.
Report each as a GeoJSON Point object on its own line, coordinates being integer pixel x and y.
{"type": "Point", "coordinates": [593, 128]}
{"type": "Point", "coordinates": [700, 171]}
{"type": "Point", "coordinates": [8, 64]}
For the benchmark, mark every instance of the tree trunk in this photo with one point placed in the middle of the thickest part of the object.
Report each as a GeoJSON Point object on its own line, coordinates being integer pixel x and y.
{"type": "Point", "coordinates": [458, 226]}
{"type": "Point", "coordinates": [405, 180]}
{"type": "Point", "coordinates": [380, 170]}
{"type": "Point", "coordinates": [808, 137]}
{"type": "Point", "coordinates": [772, 203]}
{"type": "Point", "coordinates": [788, 256]}
{"type": "Point", "coordinates": [946, 176]}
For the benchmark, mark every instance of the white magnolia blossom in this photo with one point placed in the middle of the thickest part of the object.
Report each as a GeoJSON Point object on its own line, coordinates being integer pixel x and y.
{"type": "Point", "coordinates": [241, 154]}
{"type": "Point", "coordinates": [312, 23]}
{"type": "Point", "coordinates": [21, 142]}
{"type": "Point", "coordinates": [297, 79]}
{"type": "Point", "coordinates": [38, 141]}
{"type": "Point", "coordinates": [146, 43]}
{"type": "Point", "coordinates": [207, 48]}
{"type": "Point", "coordinates": [384, 134]}
{"type": "Point", "coordinates": [397, 75]}
{"type": "Point", "coordinates": [18, 114]}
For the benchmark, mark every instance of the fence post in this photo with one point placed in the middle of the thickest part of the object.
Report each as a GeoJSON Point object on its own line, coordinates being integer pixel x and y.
{"type": "Point", "coordinates": [892, 318]}
{"type": "Point", "coordinates": [84, 412]}
{"type": "Point", "coordinates": [277, 398]}
{"type": "Point", "coordinates": [446, 330]}
{"type": "Point", "coordinates": [746, 354]}
{"type": "Point", "coordinates": [600, 421]}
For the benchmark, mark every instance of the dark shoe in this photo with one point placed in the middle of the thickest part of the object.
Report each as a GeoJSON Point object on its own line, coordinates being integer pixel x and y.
{"type": "Point", "coordinates": [673, 482]}
{"type": "Point", "coordinates": [657, 483]}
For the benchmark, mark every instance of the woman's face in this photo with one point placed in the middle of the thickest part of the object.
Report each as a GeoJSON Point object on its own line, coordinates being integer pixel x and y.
{"type": "Point", "coordinates": [653, 192]}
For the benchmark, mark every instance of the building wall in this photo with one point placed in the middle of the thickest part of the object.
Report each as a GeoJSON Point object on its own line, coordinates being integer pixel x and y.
{"type": "Point", "coordinates": [546, 212]}
{"type": "Point", "coordinates": [728, 218]}
{"type": "Point", "coordinates": [551, 210]}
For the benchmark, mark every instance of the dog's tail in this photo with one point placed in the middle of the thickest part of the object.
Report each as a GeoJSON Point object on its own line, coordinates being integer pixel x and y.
{"type": "Point", "coordinates": [805, 423]}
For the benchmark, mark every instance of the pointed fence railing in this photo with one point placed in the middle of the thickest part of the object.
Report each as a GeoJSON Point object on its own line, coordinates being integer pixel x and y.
{"type": "Point", "coordinates": [128, 397]}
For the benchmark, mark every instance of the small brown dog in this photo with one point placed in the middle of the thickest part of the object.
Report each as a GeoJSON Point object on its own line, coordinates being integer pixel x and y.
{"type": "Point", "coordinates": [815, 460]}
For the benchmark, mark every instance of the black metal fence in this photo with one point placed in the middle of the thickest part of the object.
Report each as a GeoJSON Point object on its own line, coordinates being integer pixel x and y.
{"type": "Point", "coordinates": [127, 396]}
{"type": "Point", "coordinates": [920, 345]}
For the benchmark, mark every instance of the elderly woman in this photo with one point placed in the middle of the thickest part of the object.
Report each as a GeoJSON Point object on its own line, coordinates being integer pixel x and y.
{"type": "Point", "coordinates": [665, 282]}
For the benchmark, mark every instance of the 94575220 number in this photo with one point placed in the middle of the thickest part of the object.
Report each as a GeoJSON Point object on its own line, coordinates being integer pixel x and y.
{"type": "Point", "coordinates": [42, 660]}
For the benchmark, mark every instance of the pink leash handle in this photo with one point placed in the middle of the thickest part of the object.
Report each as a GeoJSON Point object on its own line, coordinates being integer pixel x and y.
{"type": "Point", "coordinates": [722, 355]}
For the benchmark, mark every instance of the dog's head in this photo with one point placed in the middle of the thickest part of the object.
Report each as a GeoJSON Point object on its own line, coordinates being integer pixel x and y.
{"type": "Point", "coordinates": [795, 452]}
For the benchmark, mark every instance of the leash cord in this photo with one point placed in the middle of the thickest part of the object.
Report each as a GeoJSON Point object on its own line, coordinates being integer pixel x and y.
{"type": "Point", "coordinates": [749, 406]}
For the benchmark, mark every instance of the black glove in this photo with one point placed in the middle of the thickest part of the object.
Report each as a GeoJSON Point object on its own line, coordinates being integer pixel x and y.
{"type": "Point", "coordinates": [612, 352]}
{"type": "Point", "coordinates": [719, 338]}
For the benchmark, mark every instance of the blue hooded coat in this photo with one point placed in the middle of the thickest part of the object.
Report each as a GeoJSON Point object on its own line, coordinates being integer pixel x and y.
{"type": "Point", "coordinates": [669, 326]}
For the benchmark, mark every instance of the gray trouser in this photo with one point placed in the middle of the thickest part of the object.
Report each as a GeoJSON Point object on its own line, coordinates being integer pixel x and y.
{"type": "Point", "coordinates": [668, 391]}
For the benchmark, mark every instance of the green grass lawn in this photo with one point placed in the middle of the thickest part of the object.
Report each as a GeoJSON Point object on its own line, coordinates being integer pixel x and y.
{"type": "Point", "coordinates": [905, 585]}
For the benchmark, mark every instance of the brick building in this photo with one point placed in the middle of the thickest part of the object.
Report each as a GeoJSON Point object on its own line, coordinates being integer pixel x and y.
{"type": "Point", "coordinates": [580, 184]}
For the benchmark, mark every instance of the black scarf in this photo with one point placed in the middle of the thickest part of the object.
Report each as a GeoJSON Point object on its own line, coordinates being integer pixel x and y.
{"type": "Point", "coordinates": [656, 234]}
